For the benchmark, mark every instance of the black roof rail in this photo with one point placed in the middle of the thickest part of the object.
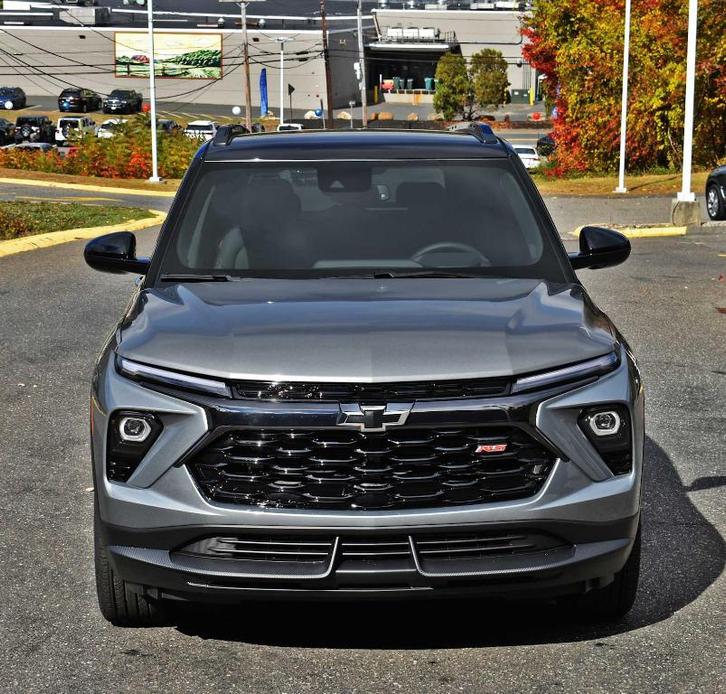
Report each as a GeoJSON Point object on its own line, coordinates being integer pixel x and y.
{"type": "Point", "coordinates": [226, 133]}
{"type": "Point", "coordinates": [476, 131]}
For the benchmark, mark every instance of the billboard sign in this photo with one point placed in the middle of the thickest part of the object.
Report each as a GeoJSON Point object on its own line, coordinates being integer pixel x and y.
{"type": "Point", "coordinates": [176, 55]}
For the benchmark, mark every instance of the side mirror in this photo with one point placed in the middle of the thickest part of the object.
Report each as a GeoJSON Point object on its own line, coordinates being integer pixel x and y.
{"type": "Point", "coordinates": [115, 253]}
{"type": "Point", "coordinates": [600, 247]}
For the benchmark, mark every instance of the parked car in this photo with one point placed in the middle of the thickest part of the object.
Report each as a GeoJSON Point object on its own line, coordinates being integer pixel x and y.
{"type": "Point", "coordinates": [546, 145]}
{"type": "Point", "coordinates": [528, 155]}
{"type": "Point", "coordinates": [7, 131]}
{"type": "Point", "coordinates": [32, 146]}
{"type": "Point", "coordinates": [123, 101]}
{"type": "Point", "coordinates": [716, 193]}
{"type": "Point", "coordinates": [74, 128]}
{"type": "Point", "coordinates": [412, 395]}
{"type": "Point", "coordinates": [12, 98]}
{"type": "Point", "coordinates": [34, 129]}
{"type": "Point", "coordinates": [75, 100]}
{"type": "Point", "coordinates": [201, 129]}
{"type": "Point", "coordinates": [109, 127]}
{"type": "Point", "coordinates": [168, 126]}
{"type": "Point", "coordinates": [289, 127]}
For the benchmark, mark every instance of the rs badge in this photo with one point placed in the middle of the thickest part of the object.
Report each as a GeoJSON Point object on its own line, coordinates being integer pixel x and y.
{"type": "Point", "coordinates": [492, 448]}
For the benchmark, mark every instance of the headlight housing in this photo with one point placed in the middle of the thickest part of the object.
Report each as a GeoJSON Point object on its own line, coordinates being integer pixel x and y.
{"type": "Point", "coordinates": [130, 436]}
{"type": "Point", "coordinates": [609, 430]}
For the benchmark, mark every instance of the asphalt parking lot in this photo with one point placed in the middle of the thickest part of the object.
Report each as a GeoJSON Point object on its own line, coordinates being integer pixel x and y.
{"type": "Point", "coordinates": [665, 299]}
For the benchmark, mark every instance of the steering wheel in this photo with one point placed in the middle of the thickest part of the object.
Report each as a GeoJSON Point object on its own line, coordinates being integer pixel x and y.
{"type": "Point", "coordinates": [450, 246]}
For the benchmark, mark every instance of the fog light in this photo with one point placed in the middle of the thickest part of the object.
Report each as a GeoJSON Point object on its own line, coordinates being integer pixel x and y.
{"type": "Point", "coordinates": [605, 423]}
{"type": "Point", "coordinates": [134, 429]}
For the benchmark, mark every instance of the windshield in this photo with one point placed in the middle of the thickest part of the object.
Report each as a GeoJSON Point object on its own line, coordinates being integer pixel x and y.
{"type": "Point", "coordinates": [65, 123]}
{"type": "Point", "coordinates": [359, 219]}
{"type": "Point", "coordinates": [525, 150]}
{"type": "Point", "coordinates": [117, 93]}
{"type": "Point", "coordinates": [199, 126]}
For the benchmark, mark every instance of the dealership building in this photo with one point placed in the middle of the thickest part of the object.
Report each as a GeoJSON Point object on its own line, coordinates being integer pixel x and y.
{"type": "Point", "coordinates": [43, 55]}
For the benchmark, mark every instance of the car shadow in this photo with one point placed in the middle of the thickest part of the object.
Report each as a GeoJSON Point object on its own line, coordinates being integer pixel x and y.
{"type": "Point", "coordinates": [683, 554]}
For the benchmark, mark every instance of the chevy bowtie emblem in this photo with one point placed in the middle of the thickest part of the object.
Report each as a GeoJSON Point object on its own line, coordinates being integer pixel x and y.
{"type": "Point", "coordinates": [374, 418]}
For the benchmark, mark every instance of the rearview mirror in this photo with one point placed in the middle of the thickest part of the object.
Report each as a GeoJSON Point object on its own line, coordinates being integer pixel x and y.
{"type": "Point", "coordinates": [115, 253]}
{"type": "Point", "coordinates": [600, 247]}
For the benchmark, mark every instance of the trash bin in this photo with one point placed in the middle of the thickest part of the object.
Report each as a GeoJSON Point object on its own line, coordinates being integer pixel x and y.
{"type": "Point", "coordinates": [409, 83]}
{"type": "Point", "coordinates": [429, 82]}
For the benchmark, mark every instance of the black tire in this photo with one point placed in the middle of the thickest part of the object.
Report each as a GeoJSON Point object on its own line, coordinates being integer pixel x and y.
{"type": "Point", "coordinates": [119, 604]}
{"type": "Point", "coordinates": [714, 203]}
{"type": "Point", "coordinates": [614, 600]}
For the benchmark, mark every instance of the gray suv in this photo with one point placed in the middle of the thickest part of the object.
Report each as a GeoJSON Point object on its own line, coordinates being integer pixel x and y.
{"type": "Point", "coordinates": [360, 365]}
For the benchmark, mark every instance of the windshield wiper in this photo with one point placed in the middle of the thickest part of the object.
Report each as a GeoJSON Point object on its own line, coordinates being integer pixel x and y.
{"type": "Point", "coordinates": [427, 273]}
{"type": "Point", "coordinates": [195, 278]}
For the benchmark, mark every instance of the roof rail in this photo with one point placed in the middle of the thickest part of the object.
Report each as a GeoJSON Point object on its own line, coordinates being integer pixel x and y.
{"type": "Point", "coordinates": [226, 133]}
{"type": "Point", "coordinates": [480, 134]}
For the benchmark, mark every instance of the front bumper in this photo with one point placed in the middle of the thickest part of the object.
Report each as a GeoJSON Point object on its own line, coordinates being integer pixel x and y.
{"type": "Point", "coordinates": [592, 514]}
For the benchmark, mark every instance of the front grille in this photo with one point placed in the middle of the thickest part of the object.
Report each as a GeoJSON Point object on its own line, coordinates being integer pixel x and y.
{"type": "Point", "coordinates": [371, 392]}
{"type": "Point", "coordinates": [264, 548]}
{"type": "Point", "coordinates": [405, 468]}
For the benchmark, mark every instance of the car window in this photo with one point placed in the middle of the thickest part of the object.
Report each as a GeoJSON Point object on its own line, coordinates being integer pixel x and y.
{"type": "Point", "coordinates": [525, 150]}
{"type": "Point", "coordinates": [344, 217]}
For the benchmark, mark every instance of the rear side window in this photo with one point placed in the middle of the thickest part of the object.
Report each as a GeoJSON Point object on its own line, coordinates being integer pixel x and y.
{"type": "Point", "coordinates": [316, 219]}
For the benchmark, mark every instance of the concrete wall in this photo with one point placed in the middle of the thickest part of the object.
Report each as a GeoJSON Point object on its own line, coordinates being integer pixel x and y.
{"type": "Point", "coordinates": [58, 55]}
{"type": "Point", "coordinates": [474, 29]}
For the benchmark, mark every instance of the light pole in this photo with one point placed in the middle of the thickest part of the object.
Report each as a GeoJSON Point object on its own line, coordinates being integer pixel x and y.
{"type": "Point", "coordinates": [362, 68]}
{"type": "Point", "coordinates": [686, 194]}
{"type": "Point", "coordinates": [624, 101]}
{"type": "Point", "coordinates": [245, 58]}
{"type": "Point", "coordinates": [152, 94]}
{"type": "Point", "coordinates": [281, 40]}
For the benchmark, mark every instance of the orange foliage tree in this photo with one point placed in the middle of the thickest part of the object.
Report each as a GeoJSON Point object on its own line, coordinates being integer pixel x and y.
{"type": "Point", "coordinates": [578, 46]}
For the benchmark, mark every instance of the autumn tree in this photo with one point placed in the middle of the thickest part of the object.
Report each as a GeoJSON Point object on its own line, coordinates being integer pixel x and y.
{"type": "Point", "coordinates": [454, 96]}
{"type": "Point", "coordinates": [578, 46]}
{"type": "Point", "coordinates": [489, 76]}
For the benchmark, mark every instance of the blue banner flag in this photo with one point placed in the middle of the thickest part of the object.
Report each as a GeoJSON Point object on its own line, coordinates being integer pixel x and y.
{"type": "Point", "coordinates": [263, 92]}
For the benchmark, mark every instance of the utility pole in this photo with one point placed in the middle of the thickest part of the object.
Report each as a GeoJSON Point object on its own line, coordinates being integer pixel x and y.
{"type": "Point", "coordinates": [281, 40]}
{"type": "Point", "coordinates": [326, 58]}
{"type": "Point", "coordinates": [362, 63]}
{"type": "Point", "coordinates": [245, 58]}
{"type": "Point", "coordinates": [624, 102]}
{"type": "Point", "coordinates": [152, 93]}
{"type": "Point", "coordinates": [686, 194]}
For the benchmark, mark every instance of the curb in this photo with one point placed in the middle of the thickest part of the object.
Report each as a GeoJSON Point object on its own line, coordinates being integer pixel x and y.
{"type": "Point", "coordinates": [88, 187]}
{"type": "Point", "coordinates": [645, 232]}
{"type": "Point", "coordinates": [53, 238]}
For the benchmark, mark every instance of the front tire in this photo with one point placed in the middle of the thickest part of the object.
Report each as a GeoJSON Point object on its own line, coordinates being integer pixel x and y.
{"type": "Point", "coordinates": [119, 604]}
{"type": "Point", "coordinates": [714, 203]}
{"type": "Point", "coordinates": [614, 600]}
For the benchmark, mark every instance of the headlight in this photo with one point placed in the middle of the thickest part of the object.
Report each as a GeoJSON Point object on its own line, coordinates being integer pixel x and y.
{"type": "Point", "coordinates": [565, 374]}
{"type": "Point", "coordinates": [608, 429]}
{"type": "Point", "coordinates": [153, 374]}
{"type": "Point", "coordinates": [130, 436]}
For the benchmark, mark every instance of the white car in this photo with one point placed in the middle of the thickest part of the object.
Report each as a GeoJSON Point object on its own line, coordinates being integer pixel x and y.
{"type": "Point", "coordinates": [108, 128]}
{"type": "Point", "coordinates": [201, 129]}
{"type": "Point", "coordinates": [528, 155]}
{"type": "Point", "coordinates": [73, 128]}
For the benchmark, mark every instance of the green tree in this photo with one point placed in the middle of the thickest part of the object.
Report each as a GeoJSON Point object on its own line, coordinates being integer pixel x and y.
{"type": "Point", "coordinates": [454, 96]}
{"type": "Point", "coordinates": [489, 76]}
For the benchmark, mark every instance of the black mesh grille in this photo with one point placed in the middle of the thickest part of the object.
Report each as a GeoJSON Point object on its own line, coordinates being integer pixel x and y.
{"type": "Point", "coordinates": [401, 468]}
{"type": "Point", "coordinates": [371, 392]}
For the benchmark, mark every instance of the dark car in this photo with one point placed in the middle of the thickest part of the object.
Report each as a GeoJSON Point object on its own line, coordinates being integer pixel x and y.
{"type": "Point", "coordinates": [361, 365]}
{"type": "Point", "coordinates": [34, 129]}
{"type": "Point", "coordinates": [7, 131]}
{"type": "Point", "coordinates": [546, 145]}
{"type": "Point", "coordinates": [123, 101]}
{"type": "Point", "coordinates": [12, 97]}
{"type": "Point", "coordinates": [78, 100]}
{"type": "Point", "coordinates": [168, 126]}
{"type": "Point", "coordinates": [716, 193]}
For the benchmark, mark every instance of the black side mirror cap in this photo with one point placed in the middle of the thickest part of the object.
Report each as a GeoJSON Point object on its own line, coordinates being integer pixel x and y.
{"type": "Point", "coordinates": [115, 253]}
{"type": "Point", "coordinates": [600, 247]}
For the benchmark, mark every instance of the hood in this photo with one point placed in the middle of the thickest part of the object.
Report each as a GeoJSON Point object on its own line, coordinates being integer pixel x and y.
{"type": "Point", "coordinates": [364, 330]}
